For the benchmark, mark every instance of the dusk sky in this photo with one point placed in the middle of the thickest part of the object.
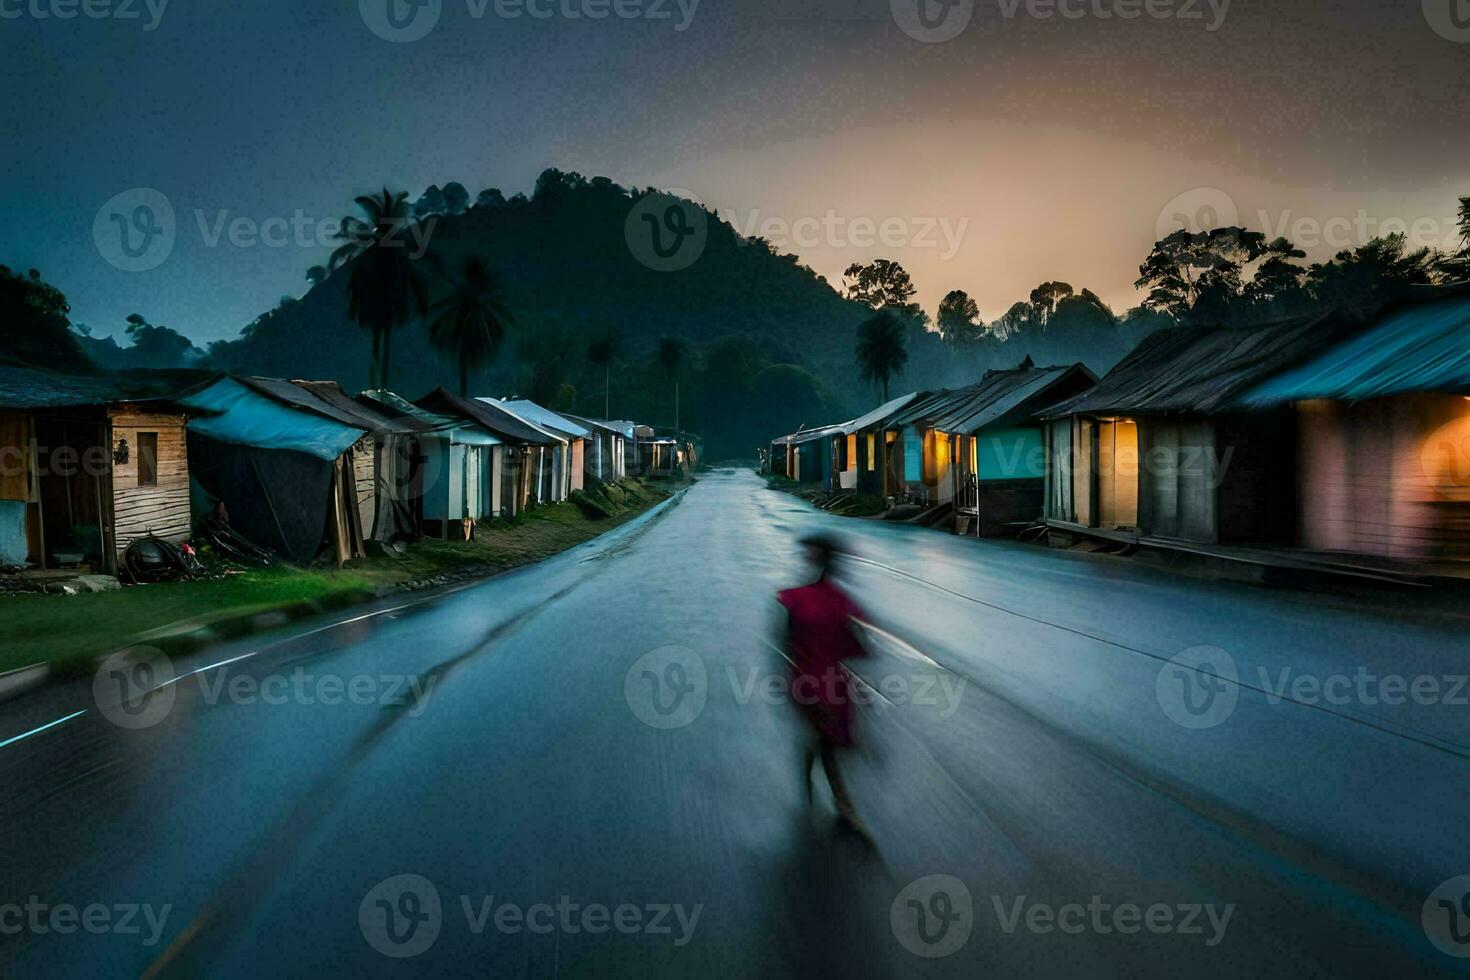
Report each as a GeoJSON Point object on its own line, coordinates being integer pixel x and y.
{"type": "Point", "coordinates": [1025, 148]}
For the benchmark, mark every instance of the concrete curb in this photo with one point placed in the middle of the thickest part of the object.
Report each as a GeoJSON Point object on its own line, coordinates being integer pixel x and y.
{"type": "Point", "coordinates": [14, 683]}
{"type": "Point", "coordinates": [192, 636]}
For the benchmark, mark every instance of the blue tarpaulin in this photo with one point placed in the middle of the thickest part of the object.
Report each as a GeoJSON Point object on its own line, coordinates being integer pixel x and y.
{"type": "Point", "coordinates": [238, 415]}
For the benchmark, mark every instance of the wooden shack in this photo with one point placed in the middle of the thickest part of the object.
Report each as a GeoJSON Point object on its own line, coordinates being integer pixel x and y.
{"type": "Point", "coordinates": [150, 475]}
{"type": "Point", "coordinates": [88, 464]}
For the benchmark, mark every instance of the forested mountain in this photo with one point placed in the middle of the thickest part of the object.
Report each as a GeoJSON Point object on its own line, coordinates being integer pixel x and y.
{"type": "Point", "coordinates": [770, 343]}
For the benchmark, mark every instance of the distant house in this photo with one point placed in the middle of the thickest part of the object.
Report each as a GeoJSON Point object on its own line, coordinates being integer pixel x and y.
{"type": "Point", "coordinates": [458, 474]}
{"type": "Point", "coordinates": [1159, 450]}
{"type": "Point", "coordinates": [810, 456]}
{"type": "Point", "coordinates": [283, 466]}
{"type": "Point", "coordinates": [1382, 425]}
{"type": "Point", "coordinates": [629, 432]}
{"type": "Point", "coordinates": [605, 459]}
{"type": "Point", "coordinates": [524, 464]}
{"type": "Point", "coordinates": [570, 463]}
{"type": "Point", "coordinates": [980, 448]}
{"type": "Point", "coordinates": [864, 460]}
{"type": "Point", "coordinates": [88, 463]}
{"type": "Point", "coordinates": [670, 453]}
{"type": "Point", "coordinates": [658, 454]}
{"type": "Point", "coordinates": [778, 460]}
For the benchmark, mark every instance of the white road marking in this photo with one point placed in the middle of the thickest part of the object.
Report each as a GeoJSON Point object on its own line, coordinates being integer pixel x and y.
{"type": "Point", "coordinates": [37, 731]}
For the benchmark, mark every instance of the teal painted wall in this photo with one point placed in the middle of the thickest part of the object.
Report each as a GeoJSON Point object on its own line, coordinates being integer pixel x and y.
{"type": "Point", "coordinates": [913, 455]}
{"type": "Point", "coordinates": [1011, 454]}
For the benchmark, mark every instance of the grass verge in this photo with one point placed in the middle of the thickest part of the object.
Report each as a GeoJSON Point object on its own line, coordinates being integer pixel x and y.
{"type": "Point", "coordinates": [69, 632]}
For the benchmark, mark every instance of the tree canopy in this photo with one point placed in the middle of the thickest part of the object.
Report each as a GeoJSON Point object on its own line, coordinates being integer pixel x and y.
{"type": "Point", "coordinates": [34, 324]}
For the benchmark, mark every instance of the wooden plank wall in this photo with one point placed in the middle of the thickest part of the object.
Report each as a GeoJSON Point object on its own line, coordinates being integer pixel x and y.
{"type": "Point", "coordinates": [364, 471]}
{"type": "Point", "coordinates": [163, 509]}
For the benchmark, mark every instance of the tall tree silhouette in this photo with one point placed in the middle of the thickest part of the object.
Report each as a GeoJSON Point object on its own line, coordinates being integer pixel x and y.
{"type": "Point", "coordinates": [671, 351]}
{"type": "Point", "coordinates": [469, 324]}
{"type": "Point", "coordinates": [385, 288]}
{"type": "Point", "coordinates": [601, 353]}
{"type": "Point", "coordinates": [882, 350]}
{"type": "Point", "coordinates": [958, 319]}
{"type": "Point", "coordinates": [884, 284]}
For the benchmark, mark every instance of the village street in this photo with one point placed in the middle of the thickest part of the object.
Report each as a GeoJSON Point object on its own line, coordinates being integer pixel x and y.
{"type": "Point", "coordinates": [592, 769]}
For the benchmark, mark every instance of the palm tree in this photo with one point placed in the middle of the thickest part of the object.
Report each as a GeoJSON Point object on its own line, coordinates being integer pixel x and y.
{"type": "Point", "coordinates": [671, 352]}
{"type": "Point", "coordinates": [602, 352]}
{"type": "Point", "coordinates": [881, 351]}
{"type": "Point", "coordinates": [385, 289]}
{"type": "Point", "coordinates": [469, 324]}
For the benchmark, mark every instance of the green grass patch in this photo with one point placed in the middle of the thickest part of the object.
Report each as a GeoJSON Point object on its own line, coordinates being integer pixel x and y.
{"type": "Point", "coordinates": [71, 631]}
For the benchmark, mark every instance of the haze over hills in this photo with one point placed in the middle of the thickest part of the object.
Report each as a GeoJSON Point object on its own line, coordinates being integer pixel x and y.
{"type": "Point", "coordinates": [770, 344]}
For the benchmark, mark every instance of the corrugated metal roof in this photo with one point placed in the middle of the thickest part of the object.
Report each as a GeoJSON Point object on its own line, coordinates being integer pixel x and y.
{"type": "Point", "coordinates": [542, 417]}
{"type": "Point", "coordinates": [880, 413]}
{"type": "Point", "coordinates": [623, 427]}
{"type": "Point", "coordinates": [808, 435]}
{"type": "Point", "coordinates": [493, 416]}
{"type": "Point", "coordinates": [382, 400]}
{"type": "Point", "coordinates": [992, 398]}
{"type": "Point", "coordinates": [553, 433]}
{"type": "Point", "coordinates": [1204, 369]}
{"type": "Point", "coordinates": [295, 396]}
{"type": "Point", "coordinates": [1420, 347]}
{"type": "Point", "coordinates": [590, 424]}
{"type": "Point", "coordinates": [375, 420]}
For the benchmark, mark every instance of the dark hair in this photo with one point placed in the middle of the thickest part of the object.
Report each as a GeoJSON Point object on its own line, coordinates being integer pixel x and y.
{"type": "Point", "coordinates": [824, 550]}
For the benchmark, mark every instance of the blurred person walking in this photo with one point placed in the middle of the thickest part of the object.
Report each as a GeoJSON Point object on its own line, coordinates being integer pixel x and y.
{"type": "Point", "coordinates": [821, 636]}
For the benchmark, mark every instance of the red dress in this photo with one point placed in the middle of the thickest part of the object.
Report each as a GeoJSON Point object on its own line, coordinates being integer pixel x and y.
{"type": "Point", "coordinates": [820, 635]}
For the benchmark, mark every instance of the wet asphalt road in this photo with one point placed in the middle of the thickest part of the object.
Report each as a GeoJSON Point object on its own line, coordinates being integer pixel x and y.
{"type": "Point", "coordinates": [591, 768]}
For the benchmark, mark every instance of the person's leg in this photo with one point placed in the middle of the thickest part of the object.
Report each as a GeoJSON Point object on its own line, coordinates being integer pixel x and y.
{"type": "Point", "coordinates": [808, 763]}
{"type": "Point", "coordinates": [839, 786]}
